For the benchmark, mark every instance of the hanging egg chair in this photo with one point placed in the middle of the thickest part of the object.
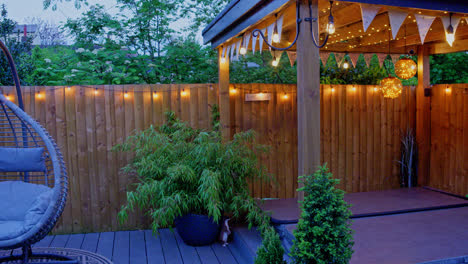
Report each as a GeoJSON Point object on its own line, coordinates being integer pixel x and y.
{"type": "Point", "coordinates": [33, 181]}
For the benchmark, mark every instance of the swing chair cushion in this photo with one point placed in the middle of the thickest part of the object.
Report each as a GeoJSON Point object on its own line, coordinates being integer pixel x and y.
{"type": "Point", "coordinates": [23, 205]}
{"type": "Point", "coordinates": [22, 160]}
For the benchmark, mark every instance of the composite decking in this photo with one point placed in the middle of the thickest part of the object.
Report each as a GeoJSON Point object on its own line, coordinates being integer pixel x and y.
{"type": "Point", "coordinates": [141, 247]}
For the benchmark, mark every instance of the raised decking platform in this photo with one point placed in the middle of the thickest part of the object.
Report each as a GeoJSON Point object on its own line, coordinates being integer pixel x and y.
{"type": "Point", "coordinates": [365, 204]}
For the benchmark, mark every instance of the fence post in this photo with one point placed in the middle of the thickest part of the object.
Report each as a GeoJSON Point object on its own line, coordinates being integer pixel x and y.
{"type": "Point", "coordinates": [223, 93]}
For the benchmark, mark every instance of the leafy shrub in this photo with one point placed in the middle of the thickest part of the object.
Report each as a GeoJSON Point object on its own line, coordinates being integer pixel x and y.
{"type": "Point", "coordinates": [323, 234]}
{"type": "Point", "coordinates": [183, 170]}
{"type": "Point", "coordinates": [271, 251]}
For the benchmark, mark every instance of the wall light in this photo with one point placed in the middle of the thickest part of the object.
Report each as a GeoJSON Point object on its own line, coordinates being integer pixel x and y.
{"type": "Point", "coordinates": [126, 95]}
{"type": "Point", "coordinates": [332, 90]}
{"type": "Point", "coordinates": [8, 97]}
{"type": "Point", "coordinates": [96, 92]}
{"type": "Point", "coordinates": [353, 88]}
{"type": "Point", "coordinates": [448, 90]}
{"type": "Point", "coordinates": [183, 93]}
{"type": "Point", "coordinates": [39, 95]}
{"type": "Point", "coordinates": [233, 91]}
{"type": "Point", "coordinates": [285, 96]}
{"type": "Point", "coordinates": [155, 95]}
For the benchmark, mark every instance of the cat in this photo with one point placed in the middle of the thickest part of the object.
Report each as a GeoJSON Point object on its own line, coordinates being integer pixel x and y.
{"type": "Point", "coordinates": [225, 232]}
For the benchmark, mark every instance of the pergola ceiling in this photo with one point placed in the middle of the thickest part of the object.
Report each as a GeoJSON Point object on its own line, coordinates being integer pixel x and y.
{"type": "Point", "coordinates": [351, 37]}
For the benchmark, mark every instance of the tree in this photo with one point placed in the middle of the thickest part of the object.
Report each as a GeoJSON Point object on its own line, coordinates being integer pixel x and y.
{"type": "Point", "coordinates": [19, 47]}
{"type": "Point", "coordinates": [53, 3]}
{"type": "Point", "coordinates": [202, 12]}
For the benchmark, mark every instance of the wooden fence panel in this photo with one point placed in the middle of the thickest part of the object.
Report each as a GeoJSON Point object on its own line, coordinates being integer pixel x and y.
{"type": "Point", "coordinates": [360, 137]}
{"type": "Point", "coordinates": [449, 138]}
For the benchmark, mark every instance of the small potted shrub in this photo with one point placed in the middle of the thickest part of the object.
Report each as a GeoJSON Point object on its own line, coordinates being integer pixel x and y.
{"type": "Point", "coordinates": [323, 234]}
{"type": "Point", "coordinates": [191, 177]}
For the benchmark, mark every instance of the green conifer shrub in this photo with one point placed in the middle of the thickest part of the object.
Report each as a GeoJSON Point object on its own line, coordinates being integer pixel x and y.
{"type": "Point", "coordinates": [323, 234]}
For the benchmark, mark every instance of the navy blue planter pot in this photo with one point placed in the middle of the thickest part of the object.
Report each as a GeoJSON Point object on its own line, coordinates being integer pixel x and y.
{"type": "Point", "coordinates": [197, 230]}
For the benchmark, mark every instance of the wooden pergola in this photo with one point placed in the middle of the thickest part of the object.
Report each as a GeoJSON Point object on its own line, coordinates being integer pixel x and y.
{"type": "Point", "coordinates": [356, 32]}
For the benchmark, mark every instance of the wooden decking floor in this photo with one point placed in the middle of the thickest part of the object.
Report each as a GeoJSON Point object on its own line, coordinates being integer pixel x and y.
{"type": "Point", "coordinates": [141, 247]}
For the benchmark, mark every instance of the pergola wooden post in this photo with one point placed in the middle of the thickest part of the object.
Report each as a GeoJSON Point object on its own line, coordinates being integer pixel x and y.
{"type": "Point", "coordinates": [308, 98]}
{"type": "Point", "coordinates": [223, 94]}
{"type": "Point", "coordinates": [423, 115]}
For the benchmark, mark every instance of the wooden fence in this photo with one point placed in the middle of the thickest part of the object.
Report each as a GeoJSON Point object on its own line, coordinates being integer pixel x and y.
{"type": "Point", "coordinates": [449, 138]}
{"type": "Point", "coordinates": [360, 132]}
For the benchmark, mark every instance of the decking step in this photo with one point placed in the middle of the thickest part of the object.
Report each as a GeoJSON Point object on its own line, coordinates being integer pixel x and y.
{"type": "Point", "coordinates": [244, 244]}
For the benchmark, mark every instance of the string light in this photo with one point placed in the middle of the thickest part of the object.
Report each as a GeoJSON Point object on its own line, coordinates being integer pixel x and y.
{"type": "Point", "coordinates": [285, 96]}
{"type": "Point", "coordinates": [332, 90]}
{"type": "Point", "coordinates": [450, 34]}
{"type": "Point", "coordinates": [447, 90]}
{"type": "Point", "coordinates": [223, 60]}
{"type": "Point", "coordinates": [275, 62]}
{"type": "Point", "coordinates": [39, 95]}
{"type": "Point", "coordinates": [353, 88]}
{"type": "Point", "coordinates": [376, 89]}
{"type": "Point", "coordinates": [8, 97]}
{"type": "Point", "coordinates": [126, 95]}
{"type": "Point", "coordinates": [275, 37]}
{"type": "Point", "coordinates": [155, 95]}
{"type": "Point", "coordinates": [183, 93]}
{"type": "Point", "coordinates": [96, 92]}
{"type": "Point", "coordinates": [345, 65]}
{"type": "Point", "coordinates": [233, 91]}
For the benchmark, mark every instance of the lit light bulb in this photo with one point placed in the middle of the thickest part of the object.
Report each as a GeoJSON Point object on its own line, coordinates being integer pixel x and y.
{"type": "Point", "coordinates": [447, 90]}
{"type": "Point", "coordinates": [155, 95]}
{"type": "Point", "coordinates": [275, 62]}
{"type": "Point", "coordinates": [345, 65]}
{"type": "Point", "coordinates": [285, 96]}
{"type": "Point", "coordinates": [233, 91]}
{"type": "Point", "coordinates": [223, 60]}
{"type": "Point", "coordinates": [183, 93]}
{"type": "Point", "coordinates": [376, 89]}
{"type": "Point", "coordinates": [39, 95]}
{"type": "Point", "coordinates": [126, 94]}
{"type": "Point", "coordinates": [243, 51]}
{"type": "Point", "coordinates": [450, 36]}
{"type": "Point", "coordinates": [8, 97]}
{"type": "Point", "coordinates": [332, 90]}
{"type": "Point", "coordinates": [96, 92]}
{"type": "Point", "coordinates": [330, 25]}
{"type": "Point", "coordinates": [353, 89]}
{"type": "Point", "coordinates": [275, 37]}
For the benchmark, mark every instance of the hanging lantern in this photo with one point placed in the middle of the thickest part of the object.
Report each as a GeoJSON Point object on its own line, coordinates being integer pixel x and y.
{"type": "Point", "coordinates": [391, 87]}
{"type": "Point", "coordinates": [405, 68]}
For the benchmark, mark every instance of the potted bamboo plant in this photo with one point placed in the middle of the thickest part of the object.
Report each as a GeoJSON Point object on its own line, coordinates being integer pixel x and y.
{"type": "Point", "coordinates": [192, 177]}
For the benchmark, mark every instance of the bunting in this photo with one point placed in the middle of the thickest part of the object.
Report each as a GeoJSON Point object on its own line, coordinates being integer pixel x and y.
{"type": "Point", "coordinates": [292, 55]}
{"type": "Point", "coordinates": [324, 57]}
{"type": "Point", "coordinates": [368, 13]}
{"type": "Point", "coordinates": [424, 23]}
{"type": "Point", "coordinates": [224, 52]}
{"type": "Point", "coordinates": [381, 57]}
{"type": "Point", "coordinates": [238, 46]}
{"type": "Point", "coordinates": [395, 57]}
{"type": "Point", "coordinates": [261, 40]}
{"type": "Point", "coordinates": [339, 57]}
{"type": "Point", "coordinates": [354, 58]}
{"type": "Point", "coordinates": [254, 43]}
{"type": "Point", "coordinates": [270, 32]}
{"type": "Point", "coordinates": [368, 58]}
{"type": "Point", "coordinates": [246, 41]}
{"type": "Point", "coordinates": [280, 25]}
{"type": "Point", "coordinates": [396, 18]}
{"type": "Point", "coordinates": [446, 22]}
{"type": "Point", "coordinates": [232, 48]}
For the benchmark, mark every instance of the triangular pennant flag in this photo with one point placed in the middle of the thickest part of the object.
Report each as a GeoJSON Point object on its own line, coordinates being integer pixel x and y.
{"type": "Point", "coordinates": [339, 57]}
{"type": "Point", "coordinates": [381, 57]}
{"type": "Point", "coordinates": [354, 58]}
{"type": "Point", "coordinates": [232, 47]}
{"type": "Point", "coordinates": [368, 58]}
{"type": "Point", "coordinates": [455, 21]}
{"type": "Point", "coordinates": [254, 43]}
{"type": "Point", "coordinates": [368, 14]}
{"type": "Point", "coordinates": [324, 57]}
{"type": "Point", "coordinates": [280, 25]}
{"type": "Point", "coordinates": [292, 55]}
{"type": "Point", "coordinates": [261, 40]}
{"type": "Point", "coordinates": [246, 41]}
{"type": "Point", "coordinates": [238, 46]}
{"type": "Point", "coordinates": [396, 18]}
{"type": "Point", "coordinates": [395, 57]}
{"type": "Point", "coordinates": [270, 33]}
{"type": "Point", "coordinates": [224, 52]}
{"type": "Point", "coordinates": [424, 23]}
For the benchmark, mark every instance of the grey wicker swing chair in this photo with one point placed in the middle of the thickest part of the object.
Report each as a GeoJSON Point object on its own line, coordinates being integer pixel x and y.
{"type": "Point", "coordinates": [33, 181]}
